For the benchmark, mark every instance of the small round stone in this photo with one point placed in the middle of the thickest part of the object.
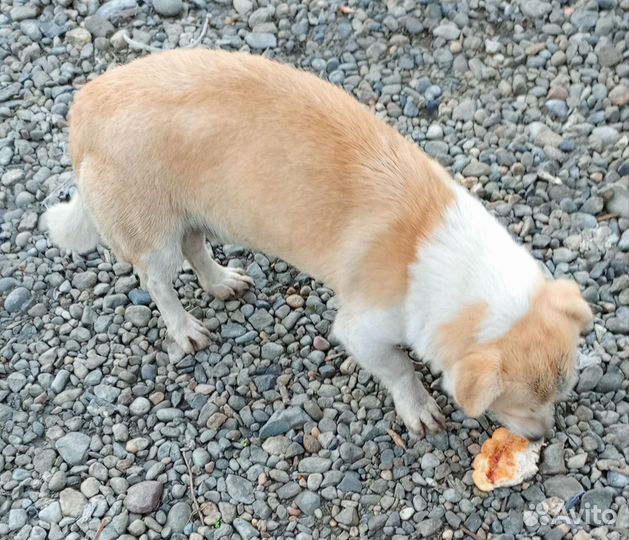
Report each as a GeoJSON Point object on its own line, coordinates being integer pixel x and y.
{"type": "Point", "coordinates": [140, 406]}
{"type": "Point", "coordinates": [168, 8]}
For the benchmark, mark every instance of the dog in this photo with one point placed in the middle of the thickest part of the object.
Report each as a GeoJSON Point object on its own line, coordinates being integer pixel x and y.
{"type": "Point", "coordinates": [186, 145]}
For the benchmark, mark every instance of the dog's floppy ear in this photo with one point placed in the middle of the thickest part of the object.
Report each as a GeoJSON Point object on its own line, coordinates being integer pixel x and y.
{"type": "Point", "coordinates": [566, 297]}
{"type": "Point", "coordinates": [478, 381]}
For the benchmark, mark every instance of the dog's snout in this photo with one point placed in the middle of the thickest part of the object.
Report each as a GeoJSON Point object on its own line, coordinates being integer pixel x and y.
{"type": "Point", "coordinates": [543, 431]}
{"type": "Point", "coordinates": [534, 427]}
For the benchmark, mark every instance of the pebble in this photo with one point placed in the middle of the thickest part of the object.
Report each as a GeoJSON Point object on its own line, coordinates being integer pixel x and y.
{"type": "Point", "coordinates": [428, 527]}
{"type": "Point", "coordinates": [23, 12]}
{"type": "Point", "coordinates": [115, 8]}
{"type": "Point", "coordinates": [139, 297]}
{"type": "Point", "coordinates": [144, 497]}
{"type": "Point", "coordinates": [17, 519]}
{"type": "Point", "coordinates": [314, 464]}
{"type": "Point", "coordinates": [79, 37]}
{"type": "Point", "coordinates": [243, 7]}
{"type": "Point", "coordinates": [476, 168]}
{"type": "Point", "coordinates": [434, 132]}
{"type": "Point", "coordinates": [98, 26]}
{"type": "Point", "coordinates": [347, 516]}
{"type": "Point", "coordinates": [17, 300]}
{"type": "Point", "coordinates": [240, 489]}
{"type": "Point", "coordinates": [600, 498]}
{"type": "Point", "coordinates": [245, 529]}
{"type": "Point", "coordinates": [73, 447]}
{"type": "Point", "coordinates": [535, 9]}
{"type": "Point", "coordinates": [603, 136]}
{"type": "Point", "coordinates": [608, 54]}
{"type": "Point", "coordinates": [140, 406]}
{"type": "Point", "coordinates": [284, 420]}
{"type": "Point", "coordinates": [553, 459]}
{"type": "Point", "coordinates": [179, 516]}
{"type": "Point", "coordinates": [619, 95]}
{"type": "Point", "coordinates": [448, 31]}
{"type": "Point", "coordinates": [90, 487]}
{"type": "Point", "coordinates": [261, 40]}
{"type": "Point", "coordinates": [589, 378]}
{"type": "Point", "coordinates": [84, 280]}
{"type": "Point", "coordinates": [139, 316]}
{"type": "Point", "coordinates": [57, 481]}
{"type": "Point", "coordinates": [51, 513]}
{"type": "Point", "coordinates": [168, 8]}
{"type": "Point", "coordinates": [464, 110]}
{"type": "Point", "coordinates": [564, 487]}
{"type": "Point", "coordinates": [308, 502]}
{"type": "Point", "coordinates": [557, 107]}
{"type": "Point", "coordinates": [72, 502]}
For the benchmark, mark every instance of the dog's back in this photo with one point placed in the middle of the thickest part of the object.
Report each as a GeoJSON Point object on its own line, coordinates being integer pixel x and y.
{"type": "Point", "coordinates": [250, 149]}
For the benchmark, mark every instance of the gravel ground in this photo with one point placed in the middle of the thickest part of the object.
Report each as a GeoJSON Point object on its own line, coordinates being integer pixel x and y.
{"type": "Point", "coordinates": [105, 425]}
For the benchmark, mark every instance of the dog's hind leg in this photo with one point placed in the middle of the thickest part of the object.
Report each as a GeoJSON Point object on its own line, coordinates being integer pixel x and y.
{"type": "Point", "coordinates": [160, 268]}
{"type": "Point", "coordinates": [219, 281]}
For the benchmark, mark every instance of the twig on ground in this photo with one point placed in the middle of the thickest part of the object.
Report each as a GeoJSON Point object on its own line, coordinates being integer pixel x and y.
{"type": "Point", "coordinates": [103, 525]}
{"type": "Point", "coordinates": [201, 35]}
{"type": "Point", "coordinates": [395, 437]}
{"type": "Point", "coordinates": [470, 533]}
{"type": "Point", "coordinates": [149, 48]}
{"type": "Point", "coordinates": [545, 175]}
{"type": "Point", "coordinates": [195, 503]}
{"type": "Point", "coordinates": [138, 45]}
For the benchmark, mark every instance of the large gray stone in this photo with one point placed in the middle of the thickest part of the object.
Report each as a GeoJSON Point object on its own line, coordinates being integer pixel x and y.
{"type": "Point", "coordinates": [179, 516]}
{"type": "Point", "coordinates": [73, 447]}
{"type": "Point", "coordinates": [245, 529]}
{"type": "Point", "coordinates": [144, 497]}
{"type": "Point", "coordinates": [564, 487]}
{"type": "Point", "coordinates": [17, 300]}
{"type": "Point", "coordinates": [308, 502]}
{"type": "Point", "coordinates": [284, 420]}
{"type": "Point", "coordinates": [240, 489]}
{"type": "Point", "coordinates": [261, 40]}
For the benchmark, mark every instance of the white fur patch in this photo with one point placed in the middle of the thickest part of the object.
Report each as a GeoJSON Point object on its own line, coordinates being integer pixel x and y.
{"type": "Point", "coordinates": [470, 259]}
{"type": "Point", "coordinates": [70, 226]}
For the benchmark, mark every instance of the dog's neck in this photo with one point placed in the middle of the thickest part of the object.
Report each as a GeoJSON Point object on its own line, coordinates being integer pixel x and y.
{"type": "Point", "coordinates": [470, 262]}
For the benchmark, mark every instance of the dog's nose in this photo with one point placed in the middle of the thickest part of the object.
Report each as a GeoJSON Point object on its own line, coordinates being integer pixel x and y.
{"type": "Point", "coordinates": [546, 432]}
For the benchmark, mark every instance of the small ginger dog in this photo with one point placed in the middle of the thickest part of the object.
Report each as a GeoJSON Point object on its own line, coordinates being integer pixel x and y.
{"type": "Point", "coordinates": [184, 145]}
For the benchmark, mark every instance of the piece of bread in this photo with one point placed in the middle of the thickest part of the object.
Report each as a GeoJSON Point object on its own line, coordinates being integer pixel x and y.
{"type": "Point", "coordinates": [505, 460]}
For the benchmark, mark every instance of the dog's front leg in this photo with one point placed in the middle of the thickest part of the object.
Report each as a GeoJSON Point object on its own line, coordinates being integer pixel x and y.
{"type": "Point", "coordinates": [371, 339]}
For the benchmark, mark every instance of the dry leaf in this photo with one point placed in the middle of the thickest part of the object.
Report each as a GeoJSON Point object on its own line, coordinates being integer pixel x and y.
{"type": "Point", "coordinates": [396, 439]}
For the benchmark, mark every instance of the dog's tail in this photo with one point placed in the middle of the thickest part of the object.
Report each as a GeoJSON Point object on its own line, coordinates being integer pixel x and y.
{"type": "Point", "coordinates": [70, 225]}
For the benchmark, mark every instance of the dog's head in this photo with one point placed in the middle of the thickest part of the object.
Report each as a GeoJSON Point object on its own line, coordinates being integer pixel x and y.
{"type": "Point", "coordinates": [520, 376]}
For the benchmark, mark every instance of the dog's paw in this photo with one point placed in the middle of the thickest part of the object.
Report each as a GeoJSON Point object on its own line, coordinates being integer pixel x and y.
{"type": "Point", "coordinates": [421, 415]}
{"type": "Point", "coordinates": [191, 335]}
{"type": "Point", "coordinates": [232, 282]}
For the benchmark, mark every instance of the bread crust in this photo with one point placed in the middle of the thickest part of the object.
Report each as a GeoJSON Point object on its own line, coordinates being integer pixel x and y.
{"type": "Point", "coordinates": [505, 460]}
